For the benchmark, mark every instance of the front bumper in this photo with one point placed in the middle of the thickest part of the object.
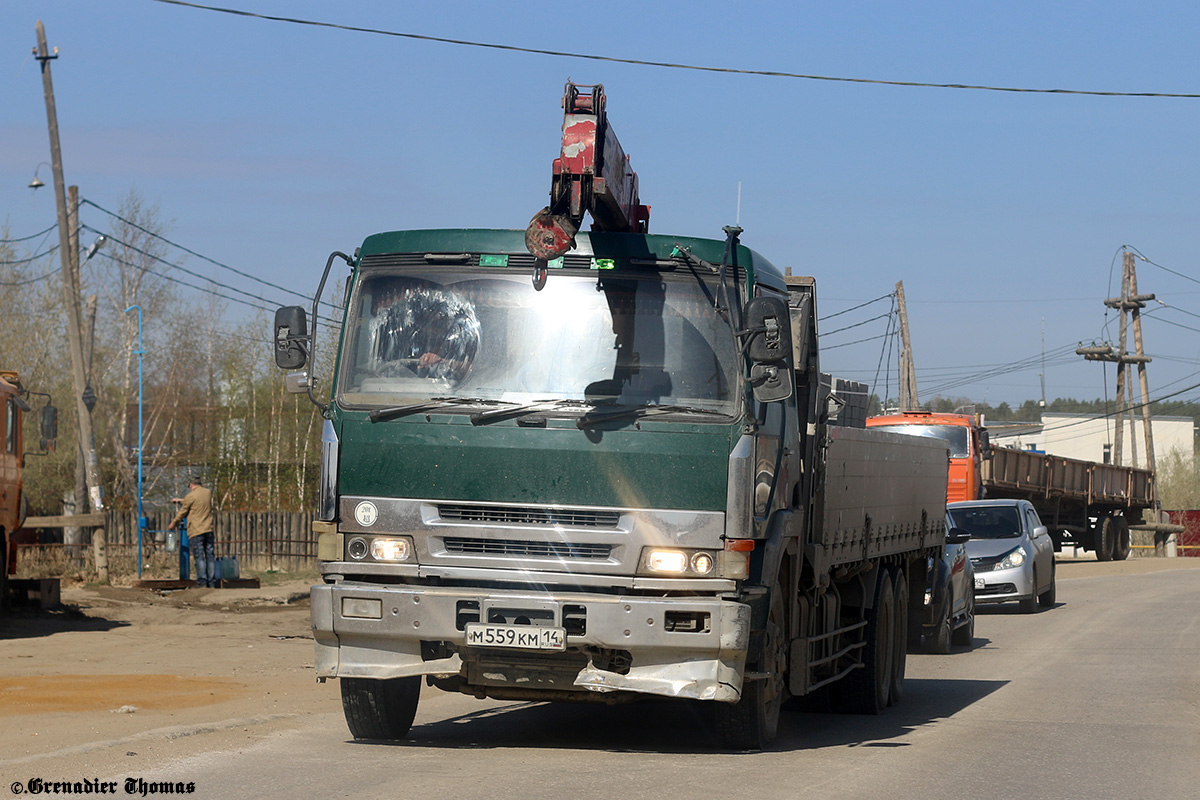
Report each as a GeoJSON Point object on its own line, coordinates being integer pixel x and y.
{"type": "Point", "coordinates": [690, 647]}
{"type": "Point", "coordinates": [1004, 585]}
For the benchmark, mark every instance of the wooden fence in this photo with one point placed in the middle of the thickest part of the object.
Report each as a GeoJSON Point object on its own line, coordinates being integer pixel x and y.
{"type": "Point", "coordinates": [262, 541]}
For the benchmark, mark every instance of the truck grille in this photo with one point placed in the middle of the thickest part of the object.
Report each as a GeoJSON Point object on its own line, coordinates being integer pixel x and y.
{"type": "Point", "coordinates": [512, 547]}
{"type": "Point", "coordinates": [509, 515]}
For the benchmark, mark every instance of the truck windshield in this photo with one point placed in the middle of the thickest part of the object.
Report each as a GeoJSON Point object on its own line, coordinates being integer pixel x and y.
{"type": "Point", "coordinates": [489, 335]}
{"type": "Point", "coordinates": [956, 437]}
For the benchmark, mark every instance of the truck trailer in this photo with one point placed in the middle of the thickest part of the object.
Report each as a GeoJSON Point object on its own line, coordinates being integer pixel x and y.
{"type": "Point", "coordinates": [1085, 504]}
{"type": "Point", "coordinates": [602, 473]}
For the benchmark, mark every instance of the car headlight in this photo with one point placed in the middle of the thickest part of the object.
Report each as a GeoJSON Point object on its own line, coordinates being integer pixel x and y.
{"type": "Point", "coordinates": [1013, 558]}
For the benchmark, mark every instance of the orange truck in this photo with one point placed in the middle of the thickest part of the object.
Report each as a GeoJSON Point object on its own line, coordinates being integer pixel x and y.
{"type": "Point", "coordinates": [12, 456]}
{"type": "Point", "coordinates": [1084, 503]}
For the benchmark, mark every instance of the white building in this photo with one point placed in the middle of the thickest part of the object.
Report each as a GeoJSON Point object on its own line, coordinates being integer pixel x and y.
{"type": "Point", "coordinates": [1091, 438]}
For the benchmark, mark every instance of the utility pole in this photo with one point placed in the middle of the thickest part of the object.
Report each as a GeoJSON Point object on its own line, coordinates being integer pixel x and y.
{"type": "Point", "coordinates": [73, 534]}
{"type": "Point", "coordinates": [908, 370]}
{"type": "Point", "coordinates": [1130, 304]}
{"type": "Point", "coordinates": [1141, 360]}
{"type": "Point", "coordinates": [71, 289]}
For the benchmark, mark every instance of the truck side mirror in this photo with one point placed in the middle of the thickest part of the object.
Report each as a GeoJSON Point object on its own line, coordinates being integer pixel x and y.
{"type": "Point", "coordinates": [768, 344]}
{"type": "Point", "coordinates": [985, 445]}
{"type": "Point", "coordinates": [291, 337]}
{"type": "Point", "coordinates": [768, 329]}
{"type": "Point", "coordinates": [49, 427]}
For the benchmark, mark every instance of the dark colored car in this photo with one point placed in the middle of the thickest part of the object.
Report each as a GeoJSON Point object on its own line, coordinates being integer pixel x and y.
{"type": "Point", "coordinates": [950, 597]}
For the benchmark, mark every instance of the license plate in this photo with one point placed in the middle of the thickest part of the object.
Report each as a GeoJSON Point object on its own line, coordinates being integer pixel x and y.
{"type": "Point", "coordinates": [979, 583]}
{"type": "Point", "coordinates": [522, 637]}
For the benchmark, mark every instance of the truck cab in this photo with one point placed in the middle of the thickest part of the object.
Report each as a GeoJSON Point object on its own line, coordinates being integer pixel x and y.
{"type": "Point", "coordinates": [965, 438]}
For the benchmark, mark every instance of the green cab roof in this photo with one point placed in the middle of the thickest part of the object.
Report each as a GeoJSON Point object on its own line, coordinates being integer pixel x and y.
{"type": "Point", "coordinates": [616, 246]}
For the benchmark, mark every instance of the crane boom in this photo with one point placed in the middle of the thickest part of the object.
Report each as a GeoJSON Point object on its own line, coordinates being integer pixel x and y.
{"type": "Point", "coordinates": [591, 175]}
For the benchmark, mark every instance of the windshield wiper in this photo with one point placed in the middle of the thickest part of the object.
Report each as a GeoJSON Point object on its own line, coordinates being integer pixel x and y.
{"type": "Point", "coordinates": [428, 405]}
{"type": "Point", "coordinates": [494, 414]}
{"type": "Point", "coordinates": [642, 410]}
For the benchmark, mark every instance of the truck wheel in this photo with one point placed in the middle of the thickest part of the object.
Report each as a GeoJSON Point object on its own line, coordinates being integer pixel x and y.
{"type": "Point", "coordinates": [380, 709]}
{"type": "Point", "coordinates": [867, 690]}
{"type": "Point", "coordinates": [1121, 543]}
{"type": "Point", "coordinates": [752, 722]}
{"type": "Point", "coordinates": [1046, 598]}
{"type": "Point", "coordinates": [964, 635]}
{"type": "Point", "coordinates": [1104, 538]}
{"type": "Point", "coordinates": [939, 641]}
{"type": "Point", "coordinates": [900, 648]}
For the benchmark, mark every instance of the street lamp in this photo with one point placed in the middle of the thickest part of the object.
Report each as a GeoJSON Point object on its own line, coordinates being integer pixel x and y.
{"type": "Point", "coordinates": [101, 240]}
{"type": "Point", "coordinates": [37, 182]}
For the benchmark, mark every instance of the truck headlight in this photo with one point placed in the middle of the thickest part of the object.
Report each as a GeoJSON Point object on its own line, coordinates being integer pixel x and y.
{"type": "Point", "coordinates": [390, 549]}
{"type": "Point", "coordinates": [1013, 558]}
{"type": "Point", "coordinates": [672, 561]}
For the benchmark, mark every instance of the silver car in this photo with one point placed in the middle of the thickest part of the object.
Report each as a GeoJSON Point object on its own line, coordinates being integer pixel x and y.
{"type": "Point", "coordinates": [1011, 550]}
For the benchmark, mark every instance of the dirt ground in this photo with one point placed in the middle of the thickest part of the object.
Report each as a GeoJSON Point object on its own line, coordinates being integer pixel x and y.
{"type": "Point", "coordinates": [119, 674]}
{"type": "Point", "coordinates": [121, 678]}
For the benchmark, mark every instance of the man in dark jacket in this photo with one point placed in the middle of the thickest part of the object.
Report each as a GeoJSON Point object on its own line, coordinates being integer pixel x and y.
{"type": "Point", "coordinates": [196, 506]}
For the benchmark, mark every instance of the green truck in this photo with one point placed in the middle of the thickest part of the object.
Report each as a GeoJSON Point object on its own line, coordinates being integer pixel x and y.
{"type": "Point", "coordinates": [608, 475]}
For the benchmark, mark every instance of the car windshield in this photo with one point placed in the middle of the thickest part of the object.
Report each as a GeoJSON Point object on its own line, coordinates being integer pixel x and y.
{"type": "Point", "coordinates": [993, 522]}
{"type": "Point", "coordinates": [956, 437]}
{"type": "Point", "coordinates": [584, 339]}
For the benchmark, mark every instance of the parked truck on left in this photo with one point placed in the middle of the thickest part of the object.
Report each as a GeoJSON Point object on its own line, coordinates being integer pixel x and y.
{"type": "Point", "coordinates": [13, 505]}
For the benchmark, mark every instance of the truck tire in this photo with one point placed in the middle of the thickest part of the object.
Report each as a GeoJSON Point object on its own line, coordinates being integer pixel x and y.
{"type": "Point", "coordinates": [867, 690]}
{"type": "Point", "coordinates": [380, 709]}
{"type": "Point", "coordinates": [939, 641]}
{"type": "Point", "coordinates": [1104, 538]}
{"type": "Point", "coordinates": [753, 721]}
{"type": "Point", "coordinates": [1121, 542]}
{"type": "Point", "coordinates": [900, 648]}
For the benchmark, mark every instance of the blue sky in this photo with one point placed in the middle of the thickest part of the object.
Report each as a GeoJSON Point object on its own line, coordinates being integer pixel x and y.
{"type": "Point", "coordinates": [267, 145]}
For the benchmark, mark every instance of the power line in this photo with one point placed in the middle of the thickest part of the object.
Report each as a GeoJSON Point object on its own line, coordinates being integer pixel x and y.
{"type": "Point", "coordinates": [31, 236]}
{"type": "Point", "coordinates": [28, 281]}
{"type": "Point", "coordinates": [1057, 356]}
{"type": "Point", "coordinates": [859, 341]}
{"type": "Point", "coordinates": [1138, 253]}
{"type": "Point", "coordinates": [855, 325]}
{"type": "Point", "coordinates": [333, 326]}
{"type": "Point", "coordinates": [1128, 408]}
{"type": "Point", "coordinates": [30, 259]}
{"type": "Point", "coordinates": [183, 269]}
{"type": "Point", "coordinates": [199, 255]}
{"type": "Point", "coordinates": [854, 308]}
{"type": "Point", "coordinates": [166, 277]}
{"type": "Point", "coordinates": [666, 64]}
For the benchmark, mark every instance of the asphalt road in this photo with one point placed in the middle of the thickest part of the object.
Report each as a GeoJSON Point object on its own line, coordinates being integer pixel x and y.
{"type": "Point", "coordinates": [1096, 698]}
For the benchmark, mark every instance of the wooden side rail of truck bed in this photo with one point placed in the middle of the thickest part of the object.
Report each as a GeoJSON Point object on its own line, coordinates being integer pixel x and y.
{"type": "Point", "coordinates": [1030, 475]}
